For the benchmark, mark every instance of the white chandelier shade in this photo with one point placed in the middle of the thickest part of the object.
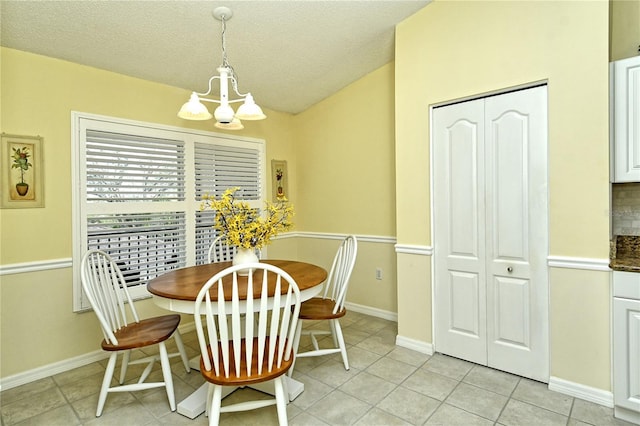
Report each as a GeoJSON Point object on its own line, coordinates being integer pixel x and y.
{"type": "Point", "coordinates": [234, 125]}
{"type": "Point", "coordinates": [225, 117]}
{"type": "Point", "coordinates": [194, 109]}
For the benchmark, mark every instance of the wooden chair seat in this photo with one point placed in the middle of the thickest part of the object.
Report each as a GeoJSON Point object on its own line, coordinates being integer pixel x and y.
{"type": "Point", "coordinates": [318, 308]}
{"type": "Point", "coordinates": [147, 332]}
{"type": "Point", "coordinates": [244, 379]}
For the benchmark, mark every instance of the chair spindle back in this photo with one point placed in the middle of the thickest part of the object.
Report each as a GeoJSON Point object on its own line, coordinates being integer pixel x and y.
{"type": "Point", "coordinates": [106, 289]}
{"type": "Point", "coordinates": [338, 281]}
{"type": "Point", "coordinates": [266, 323]}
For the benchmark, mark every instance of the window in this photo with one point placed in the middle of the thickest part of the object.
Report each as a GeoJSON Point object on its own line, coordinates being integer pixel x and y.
{"type": "Point", "coordinates": [137, 193]}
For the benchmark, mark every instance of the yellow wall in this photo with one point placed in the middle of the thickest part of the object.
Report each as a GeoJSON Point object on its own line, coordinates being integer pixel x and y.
{"type": "Point", "coordinates": [346, 181]}
{"type": "Point", "coordinates": [624, 29]}
{"type": "Point", "coordinates": [346, 144]}
{"type": "Point", "coordinates": [455, 49]}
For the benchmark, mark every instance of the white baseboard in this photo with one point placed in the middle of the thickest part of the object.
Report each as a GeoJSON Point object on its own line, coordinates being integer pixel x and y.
{"type": "Point", "coordinates": [51, 369]}
{"type": "Point", "coordinates": [29, 376]}
{"type": "Point", "coordinates": [577, 390]}
{"type": "Point", "coordinates": [374, 312]}
{"type": "Point", "coordinates": [416, 345]}
{"type": "Point", "coordinates": [405, 342]}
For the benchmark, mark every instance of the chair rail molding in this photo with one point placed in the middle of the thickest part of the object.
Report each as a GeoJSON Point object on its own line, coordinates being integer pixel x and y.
{"type": "Point", "coordinates": [586, 263]}
{"type": "Point", "coordinates": [40, 265]}
{"type": "Point", "coordinates": [333, 236]}
{"type": "Point", "coordinates": [414, 249]}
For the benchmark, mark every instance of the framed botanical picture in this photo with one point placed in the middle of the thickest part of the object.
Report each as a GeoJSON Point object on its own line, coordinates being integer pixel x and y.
{"type": "Point", "coordinates": [21, 159]}
{"type": "Point", "coordinates": [280, 179]}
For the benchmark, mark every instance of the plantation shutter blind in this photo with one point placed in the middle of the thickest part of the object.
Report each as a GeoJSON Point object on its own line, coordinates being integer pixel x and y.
{"type": "Point", "coordinates": [120, 168]}
{"type": "Point", "coordinates": [124, 167]}
{"type": "Point", "coordinates": [137, 192]}
{"type": "Point", "coordinates": [217, 168]}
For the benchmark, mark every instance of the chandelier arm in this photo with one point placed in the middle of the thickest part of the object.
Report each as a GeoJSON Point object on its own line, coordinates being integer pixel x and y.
{"type": "Point", "coordinates": [234, 84]}
{"type": "Point", "coordinates": [208, 92]}
{"type": "Point", "coordinates": [217, 101]}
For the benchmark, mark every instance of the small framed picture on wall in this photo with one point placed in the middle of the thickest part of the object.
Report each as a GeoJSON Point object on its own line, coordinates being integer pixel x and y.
{"type": "Point", "coordinates": [280, 179]}
{"type": "Point", "coordinates": [22, 172]}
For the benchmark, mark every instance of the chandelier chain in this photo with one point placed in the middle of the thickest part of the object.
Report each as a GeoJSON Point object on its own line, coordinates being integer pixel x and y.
{"type": "Point", "coordinates": [225, 61]}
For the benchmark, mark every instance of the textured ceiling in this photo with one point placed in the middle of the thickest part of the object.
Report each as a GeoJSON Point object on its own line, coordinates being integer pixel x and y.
{"type": "Point", "coordinates": [289, 54]}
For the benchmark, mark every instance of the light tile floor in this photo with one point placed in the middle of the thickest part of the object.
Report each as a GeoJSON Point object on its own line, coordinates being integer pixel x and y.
{"type": "Point", "coordinates": [386, 385]}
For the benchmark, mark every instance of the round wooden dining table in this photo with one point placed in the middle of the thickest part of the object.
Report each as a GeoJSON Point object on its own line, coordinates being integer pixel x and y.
{"type": "Point", "coordinates": [177, 290]}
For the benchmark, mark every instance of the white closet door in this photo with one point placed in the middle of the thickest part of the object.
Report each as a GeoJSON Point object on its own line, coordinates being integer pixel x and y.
{"type": "Point", "coordinates": [459, 215]}
{"type": "Point", "coordinates": [517, 230]}
{"type": "Point", "coordinates": [491, 231]}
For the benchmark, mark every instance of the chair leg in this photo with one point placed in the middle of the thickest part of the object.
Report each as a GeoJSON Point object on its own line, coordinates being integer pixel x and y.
{"type": "Point", "coordinates": [207, 405]}
{"type": "Point", "coordinates": [294, 350]}
{"type": "Point", "coordinates": [125, 364]}
{"type": "Point", "coordinates": [334, 335]}
{"type": "Point", "coordinates": [281, 401]}
{"type": "Point", "coordinates": [166, 373]}
{"type": "Point", "coordinates": [214, 411]}
{"type": "Point", "coordinates": [106, 382]}
{"type": "Point", "coordinates": [341, 345]}
{"type": "Point", "coordinates": [183, 354]}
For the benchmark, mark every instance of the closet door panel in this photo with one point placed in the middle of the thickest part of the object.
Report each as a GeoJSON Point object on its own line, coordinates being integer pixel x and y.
{"type": "Point", "coordinates": [460, 264]}
{"type": "Point", "coordinates": [517, 242]}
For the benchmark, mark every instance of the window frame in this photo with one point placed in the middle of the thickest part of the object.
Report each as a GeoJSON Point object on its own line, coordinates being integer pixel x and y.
{"type": "Point", "coordinates": [81, 209]}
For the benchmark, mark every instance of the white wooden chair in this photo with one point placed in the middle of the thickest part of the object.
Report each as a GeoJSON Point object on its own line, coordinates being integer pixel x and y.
{"type": "Point", "coordinates": [330, 306]}
{"type": "Point", "coordinates": [249, 334]}
{"type": "Point", "coordinates": [221, 251]}
{"type": "Point", "coordinates": [106, 289]}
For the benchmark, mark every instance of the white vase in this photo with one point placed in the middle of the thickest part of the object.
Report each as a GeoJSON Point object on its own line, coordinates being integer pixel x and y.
{"type": "Point", "coordinates": [244, 255]}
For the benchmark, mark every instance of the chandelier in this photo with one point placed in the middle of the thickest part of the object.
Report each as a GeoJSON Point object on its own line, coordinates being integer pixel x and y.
{"type": "Point", "coordinates": [225, 117]}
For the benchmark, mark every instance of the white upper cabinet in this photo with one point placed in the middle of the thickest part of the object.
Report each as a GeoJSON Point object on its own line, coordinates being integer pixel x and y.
{"type": "Point", "coordinates": [625, 120]}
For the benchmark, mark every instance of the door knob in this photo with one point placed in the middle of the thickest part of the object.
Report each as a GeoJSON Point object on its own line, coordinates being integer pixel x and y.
{"type": "Point", "coordinates": [509, 269]}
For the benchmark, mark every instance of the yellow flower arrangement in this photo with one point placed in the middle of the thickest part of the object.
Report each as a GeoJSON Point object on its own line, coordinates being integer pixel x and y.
{"type": "Point", "coordinates": [242, 224]}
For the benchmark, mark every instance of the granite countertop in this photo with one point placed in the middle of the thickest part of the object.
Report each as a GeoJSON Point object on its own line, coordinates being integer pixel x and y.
{"type": "Point", "coordinates": [624, 253]}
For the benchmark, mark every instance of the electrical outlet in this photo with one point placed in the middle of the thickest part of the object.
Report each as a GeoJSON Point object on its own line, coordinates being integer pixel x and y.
{"type": "Point", "coordinates": [378, 273]}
